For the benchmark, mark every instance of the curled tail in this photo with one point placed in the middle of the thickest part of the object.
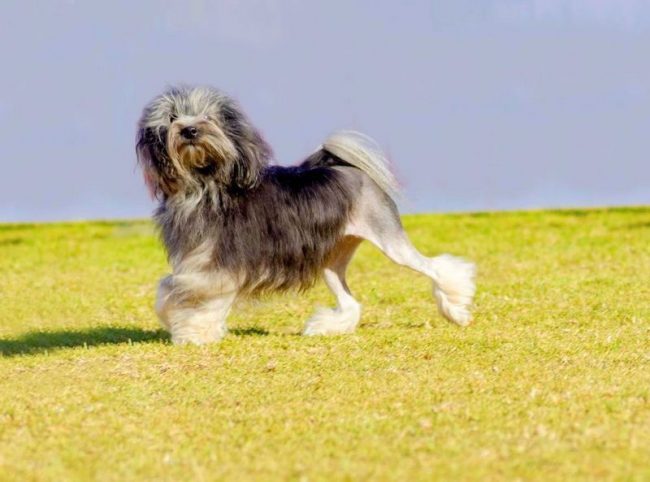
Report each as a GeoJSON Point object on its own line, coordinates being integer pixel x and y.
{"type": "Point", "coordinates": [362, 152]}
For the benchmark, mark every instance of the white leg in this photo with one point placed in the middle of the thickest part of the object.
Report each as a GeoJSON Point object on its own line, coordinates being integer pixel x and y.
{"type": "Point", "coordinates": [345, 317]}
{"type": "Point", "coordinates": [453, 278]}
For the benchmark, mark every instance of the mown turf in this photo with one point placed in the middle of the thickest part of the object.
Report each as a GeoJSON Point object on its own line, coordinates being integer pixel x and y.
{"type": "Point", "coordinates": [552, 381]}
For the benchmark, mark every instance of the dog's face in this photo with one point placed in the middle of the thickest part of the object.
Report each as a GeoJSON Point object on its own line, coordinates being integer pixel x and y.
{"type": "Point", "coordinates": [188, 136]}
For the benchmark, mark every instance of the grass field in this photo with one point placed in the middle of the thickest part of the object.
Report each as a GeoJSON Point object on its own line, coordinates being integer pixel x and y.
{"type": "Point", "coordinates": [551, 382]}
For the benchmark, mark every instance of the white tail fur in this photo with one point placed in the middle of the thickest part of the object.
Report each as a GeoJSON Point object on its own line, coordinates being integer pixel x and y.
{"type": "Point", "coordinates": [453, 287]}
{"type": "Point", "coordinates": [363, 153]}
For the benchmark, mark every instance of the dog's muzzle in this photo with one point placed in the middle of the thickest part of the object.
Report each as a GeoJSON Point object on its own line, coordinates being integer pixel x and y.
{"type": "Point", "coordinates": [190, 133]}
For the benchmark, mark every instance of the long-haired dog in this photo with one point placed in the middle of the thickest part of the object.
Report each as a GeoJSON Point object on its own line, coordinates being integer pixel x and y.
{"type": "Point", "coordinates": [233, 224]}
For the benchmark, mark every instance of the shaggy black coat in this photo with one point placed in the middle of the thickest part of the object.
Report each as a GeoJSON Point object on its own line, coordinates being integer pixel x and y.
{"type": "Point", "coordinates": [277, 235]}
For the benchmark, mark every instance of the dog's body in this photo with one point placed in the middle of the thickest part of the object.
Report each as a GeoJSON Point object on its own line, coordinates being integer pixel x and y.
{"type": "Point", "coordinates": [234, 225]}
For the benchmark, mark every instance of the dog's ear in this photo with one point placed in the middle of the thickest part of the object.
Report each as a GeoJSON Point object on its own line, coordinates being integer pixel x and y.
{"type": "Point", "coordinates": [157, 169]}
{"type": "Point", "coordinates": [253, 153]}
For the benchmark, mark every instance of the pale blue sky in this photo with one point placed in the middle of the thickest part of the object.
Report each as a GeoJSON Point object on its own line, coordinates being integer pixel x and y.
{"type": "Point", "coordinates": [481, 105]}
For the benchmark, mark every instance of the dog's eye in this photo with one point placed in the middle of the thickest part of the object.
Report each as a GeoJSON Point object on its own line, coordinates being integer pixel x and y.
{"type": "Point", "coordinates": [172, 118]}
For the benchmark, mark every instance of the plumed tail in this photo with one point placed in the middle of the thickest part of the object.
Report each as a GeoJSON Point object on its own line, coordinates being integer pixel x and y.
{"type": "Point", "coordinates": [364, 153]}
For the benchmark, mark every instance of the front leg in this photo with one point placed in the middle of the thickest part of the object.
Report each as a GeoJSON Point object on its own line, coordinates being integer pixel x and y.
{"type": "Point", "coordinates": [191, 312]}
{"type": "Point", "coordinates": [165, 287]}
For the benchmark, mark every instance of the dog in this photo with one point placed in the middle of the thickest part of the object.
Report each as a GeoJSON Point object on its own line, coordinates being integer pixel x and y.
{"type": "Point", "coordinates": [235, 225]}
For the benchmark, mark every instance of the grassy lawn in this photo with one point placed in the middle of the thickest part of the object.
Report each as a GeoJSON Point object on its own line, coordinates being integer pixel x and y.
{"type": "Point", "coordinates": [551, 382]}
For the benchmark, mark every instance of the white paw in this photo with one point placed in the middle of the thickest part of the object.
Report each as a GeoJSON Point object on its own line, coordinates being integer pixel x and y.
{"type": "Point", "coordinates": [454, 287]}
{"type": "Point", "coordinates": [327, 321]}
{"type": "Point", "coordinates": [198, 335]}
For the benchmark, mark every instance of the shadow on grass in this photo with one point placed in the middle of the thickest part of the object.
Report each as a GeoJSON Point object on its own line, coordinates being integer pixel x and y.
{"type": "Point", "coordinates": [11, 241]}
{"type": "Point", "coordinates": [43, 341]}
{"type": "Point", "coordinates": [252, 331]}
{"type": "Point", "coordinates": [641, 225]}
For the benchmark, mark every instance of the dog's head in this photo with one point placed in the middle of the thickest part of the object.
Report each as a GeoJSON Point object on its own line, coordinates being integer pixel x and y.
{"type": "Point", "coordinates": [190, 135]}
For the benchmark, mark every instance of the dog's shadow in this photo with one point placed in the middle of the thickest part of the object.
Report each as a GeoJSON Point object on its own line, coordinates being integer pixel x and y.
{"type": "Point", "coordinates": [44, 341]}
{"type": "Point", "coordinates": [36, 342]}
{"type": "Point", "coordinates": [249, 331]}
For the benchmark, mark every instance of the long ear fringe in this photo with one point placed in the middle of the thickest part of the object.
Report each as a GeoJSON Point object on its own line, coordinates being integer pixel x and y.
{"type": "Point", "coordinates": [149, 181]}
{"type": "Point", "coordinates": [142, 154]}
{"type": "Point", "coordinates": [254, 154]}
{"type": "Point", "coordinates": [146, 157]}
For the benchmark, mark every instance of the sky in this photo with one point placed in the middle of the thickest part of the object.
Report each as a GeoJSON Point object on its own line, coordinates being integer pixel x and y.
{"type": "Point", "coordinates": [480, 105]}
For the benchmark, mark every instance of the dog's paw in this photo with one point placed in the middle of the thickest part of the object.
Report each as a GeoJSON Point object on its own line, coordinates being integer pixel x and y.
{"type": "Point", "coordinates": [328, 321]}
{"type": "Point", "coordinates": [193, 335]}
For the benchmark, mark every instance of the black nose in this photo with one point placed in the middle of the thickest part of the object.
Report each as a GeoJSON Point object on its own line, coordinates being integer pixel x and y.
{"type": "Point", "coordinates": [190, 132]}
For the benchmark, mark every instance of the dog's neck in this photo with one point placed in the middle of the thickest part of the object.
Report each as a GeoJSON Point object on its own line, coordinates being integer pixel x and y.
{"type": "Point", "coordinates": [188, 216]}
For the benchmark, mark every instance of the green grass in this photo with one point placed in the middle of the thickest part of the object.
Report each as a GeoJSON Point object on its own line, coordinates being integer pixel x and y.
{"type": "Point", "coordinates": [551, 382]}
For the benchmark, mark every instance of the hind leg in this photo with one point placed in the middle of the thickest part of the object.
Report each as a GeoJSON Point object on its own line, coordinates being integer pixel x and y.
{"type": "Point", "coordinates": [378, 221]}
{"type": "Point", "coordinates": [345, 317]}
